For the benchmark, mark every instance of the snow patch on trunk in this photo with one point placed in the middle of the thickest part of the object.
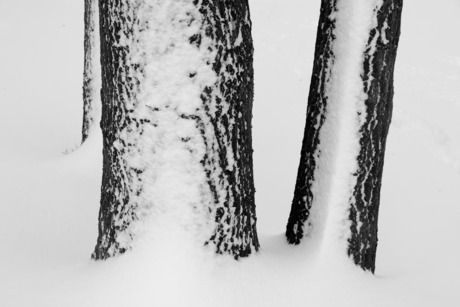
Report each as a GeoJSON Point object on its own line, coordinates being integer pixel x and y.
{"type": "Point", "coordinates": [172, 146]}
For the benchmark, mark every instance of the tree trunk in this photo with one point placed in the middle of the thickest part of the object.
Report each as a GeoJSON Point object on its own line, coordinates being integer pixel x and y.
{"type": "Point", "coordinates": [337, 192]}
{"type": "Point", "coordinates": [177, 92]}
{"type": "Point", "coordinates": [91, 69]}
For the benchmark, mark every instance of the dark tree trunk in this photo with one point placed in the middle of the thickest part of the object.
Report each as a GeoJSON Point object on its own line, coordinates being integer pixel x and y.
{"type": "Point", "coordinates": [91, 70]}
{"type": "Point", "coordinates": [316, 114]}
{"type": "Point", "coordinates": [377, 66]}
{"type": "Point", "coordinates": [197, 117]}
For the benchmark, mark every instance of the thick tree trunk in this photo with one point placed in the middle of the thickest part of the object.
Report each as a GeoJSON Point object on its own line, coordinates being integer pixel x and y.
{"type": "Point", "coordinates": [177, 97]}
{"type": "Point", "coordinates": [91, 69]}
{"type": "Point", "coordinates": [347, 165]}
{"type": "Point", "coordinates": [378, 67]}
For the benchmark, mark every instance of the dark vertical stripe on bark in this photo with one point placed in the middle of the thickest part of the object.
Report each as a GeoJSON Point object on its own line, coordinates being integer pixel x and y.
{"type": "Point", "coordinates": [378, 85]}
{"type": "Point", "coordinates": [316, 114]}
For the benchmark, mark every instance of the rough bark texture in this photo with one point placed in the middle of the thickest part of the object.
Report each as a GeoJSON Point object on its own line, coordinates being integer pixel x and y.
{"type": "Point", "coordinates": [228, 24]}
{"type": "Point", "coordinates": [378, 85]}
{"type": "Point", "coordinates": [217, 142]}
{"type": "Point", "coordinates": [91, 74]}
{"type": "Point", "coordinates": [118, 95]}
{"type": "Point", "coordinates": [316, 114]}
{"type": "Point", "coordinates": [377, 78]}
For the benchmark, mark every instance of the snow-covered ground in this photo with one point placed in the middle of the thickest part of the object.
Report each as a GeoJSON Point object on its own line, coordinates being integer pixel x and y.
{"type": "Point", "coordinates": [50, 191]}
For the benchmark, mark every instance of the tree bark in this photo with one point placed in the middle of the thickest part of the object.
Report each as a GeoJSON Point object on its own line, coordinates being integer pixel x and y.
{"type": "Point", "coordinates": [316, 115]}
{"type": "Point", "coordinates": [378, 70]}
{"type": "Point", "coordinates": [177, 92]}
{"type": "Point", "coordinates": [91, 69]}
{"type": "Point", "coordinates": [372, 109]}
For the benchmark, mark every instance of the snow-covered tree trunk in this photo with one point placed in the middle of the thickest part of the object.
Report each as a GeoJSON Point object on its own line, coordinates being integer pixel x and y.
{"type": "Point", "coordinates": [91, 69]}
{"type": "Point", "coordinates": [337, 192]}
{"type": "Point", "coordinates": [177, 92]}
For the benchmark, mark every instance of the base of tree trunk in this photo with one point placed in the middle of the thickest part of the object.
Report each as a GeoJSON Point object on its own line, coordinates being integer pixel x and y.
{"type": "Point", "coordinates": [337, 193]}
{"type": "Point", "coordinates": [177, 98]}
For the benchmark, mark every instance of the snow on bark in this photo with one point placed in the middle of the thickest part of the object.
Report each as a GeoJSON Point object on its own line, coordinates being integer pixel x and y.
{"type": "Point", "coordinates": [177, 107]}
{"type": "Point", "coordinates": [91, 69]}
{"type": "Point", "coordinates": [337, 191]}
{"type": "Point", "coordinates": [377, 76]}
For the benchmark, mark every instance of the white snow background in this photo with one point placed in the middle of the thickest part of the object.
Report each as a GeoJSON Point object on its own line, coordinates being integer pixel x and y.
{"type": "Point", "coordinates": [49, 200]}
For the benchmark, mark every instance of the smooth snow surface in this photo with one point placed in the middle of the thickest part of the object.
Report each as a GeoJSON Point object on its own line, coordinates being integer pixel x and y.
{"type": "Point", "coordinates": [50, 200]}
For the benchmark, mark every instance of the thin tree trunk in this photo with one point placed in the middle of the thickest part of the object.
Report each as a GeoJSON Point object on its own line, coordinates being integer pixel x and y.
{"type": "Point", "coordinates": [91, 70]}
{"type": "Point", "coordinates": [316, 114]}
{"type": "Point", "coordinates": [177, 97]}
{"type": "Point", "coordinates": [365, 112]}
